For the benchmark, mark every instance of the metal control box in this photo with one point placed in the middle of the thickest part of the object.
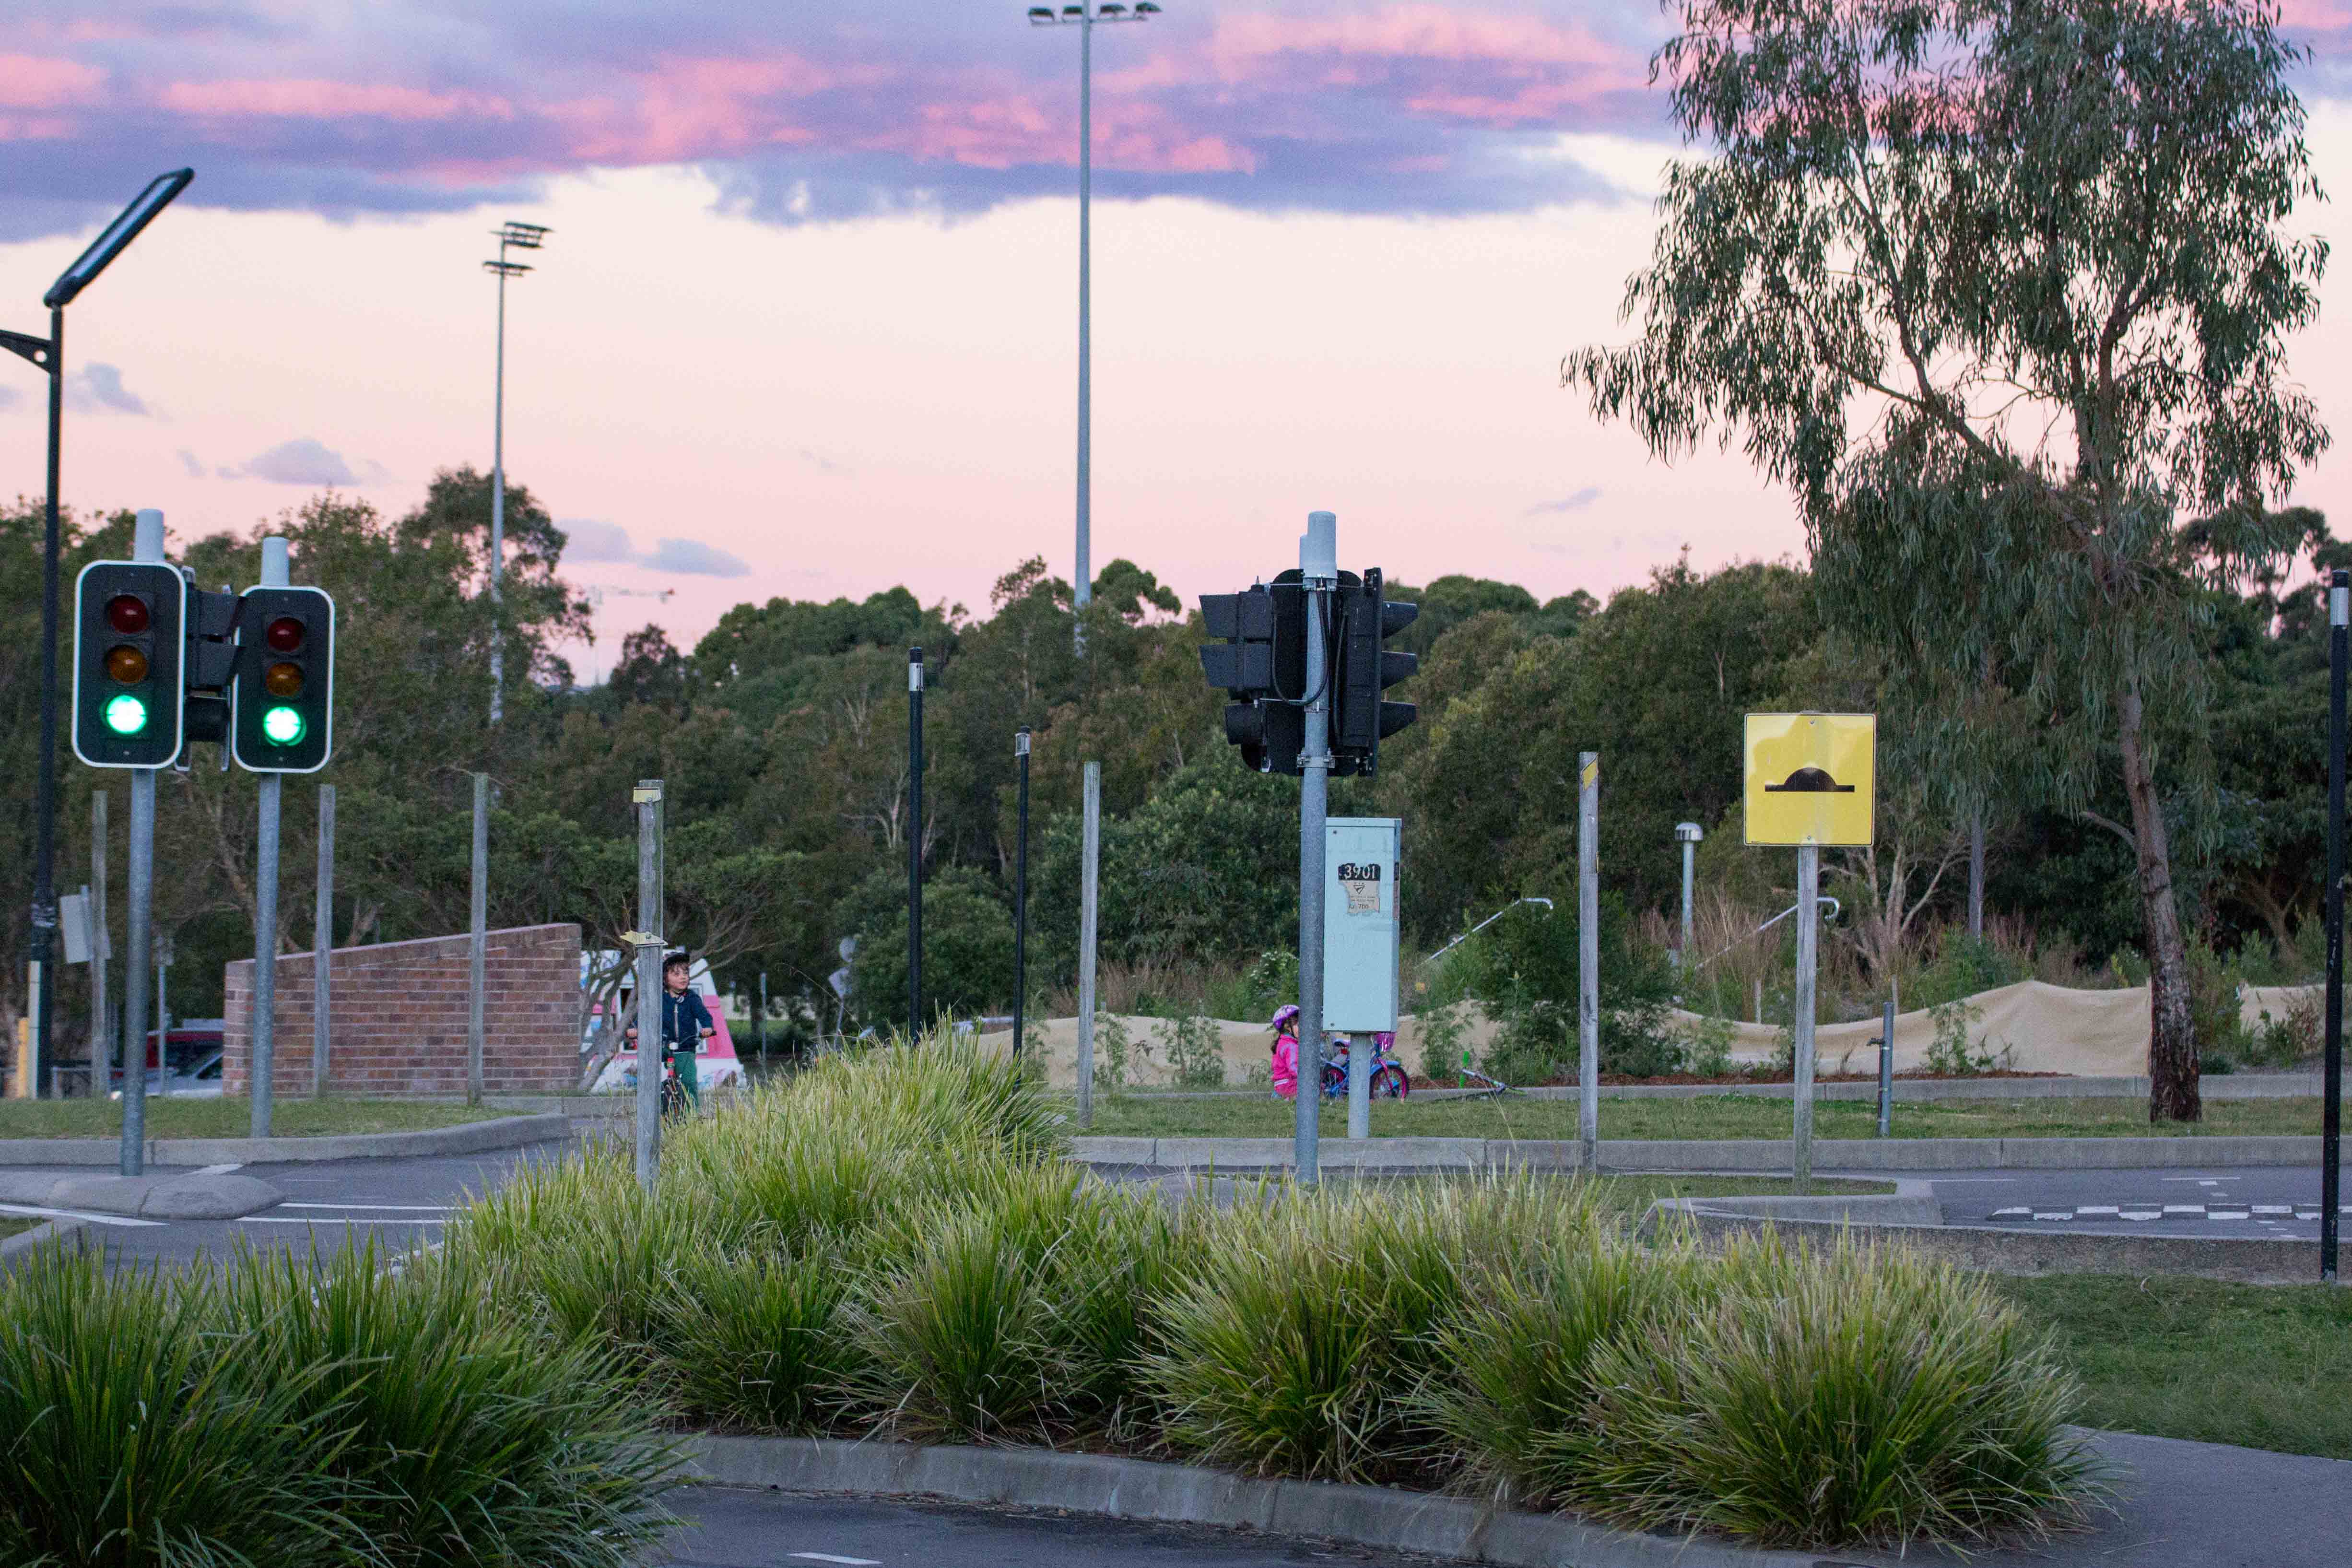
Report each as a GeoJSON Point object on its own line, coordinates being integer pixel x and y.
{"type": "Point", "coordinates": [1360, 923]}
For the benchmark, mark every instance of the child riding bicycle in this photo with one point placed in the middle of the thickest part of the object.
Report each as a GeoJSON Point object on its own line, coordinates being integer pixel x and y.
{"type": "Point", "coordinates": [686, 1024]}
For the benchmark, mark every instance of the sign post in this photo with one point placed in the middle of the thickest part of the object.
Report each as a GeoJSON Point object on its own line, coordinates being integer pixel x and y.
{"type": "Point", "coordinates": [1808, 780]}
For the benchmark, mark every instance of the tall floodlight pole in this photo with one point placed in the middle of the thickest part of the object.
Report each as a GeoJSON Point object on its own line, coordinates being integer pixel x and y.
{"type": "Point", "coordinates": [2331, 1109]}
{"type": "Point", "coordinates": [1084, 17]}
{"type": "Point", "coordinates": [511, 236]}
{"type": "Point", "coordinates": [49, 355]}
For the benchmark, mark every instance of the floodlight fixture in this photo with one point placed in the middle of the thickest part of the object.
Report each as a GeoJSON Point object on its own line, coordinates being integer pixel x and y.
{"type": "Point", "coordinates": [112, 239]}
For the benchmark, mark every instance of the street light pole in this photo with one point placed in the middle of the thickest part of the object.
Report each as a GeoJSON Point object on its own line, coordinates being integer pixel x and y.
{"type": "Point", "coordinates": [48, 354]}
{"type": "Point", "coordinates": [518, 237]}
{"type": "Point", "coordinates": [1084, 17]}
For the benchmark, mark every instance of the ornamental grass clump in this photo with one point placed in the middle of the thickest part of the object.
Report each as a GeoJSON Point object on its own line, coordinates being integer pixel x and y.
{"type": "Point", "coordinates": [1856, 1394]}
{"type": "Point", "coordinates": [758, 1341]}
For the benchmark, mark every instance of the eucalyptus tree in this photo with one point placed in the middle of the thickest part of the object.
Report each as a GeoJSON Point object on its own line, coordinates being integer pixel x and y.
{"type": "Point", "coordinates": [2002, 289]}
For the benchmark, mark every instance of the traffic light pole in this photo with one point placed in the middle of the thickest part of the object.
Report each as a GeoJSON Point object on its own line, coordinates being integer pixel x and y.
{"type": "Point", "coordinates": [147, 544]}
{"type": "Point", "coordinates": [1319, 570]}
{"type": "Point", "coordinates": [262, 1088]}
{"type": "Point", "coordinates": [1021, 895]}
{"type": "Point", "coordinates": [45, 788]}
{"type": "Point", "coordinates": [2331, 1105]}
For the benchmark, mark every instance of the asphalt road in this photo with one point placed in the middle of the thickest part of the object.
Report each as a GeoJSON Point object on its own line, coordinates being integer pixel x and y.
{"type": "Point", "coordinates": [2238, 1201]}
{"type": "Point", "coordinates": [394, 1204]}
{"type": "Point", "coordinates": [2177, 1505]}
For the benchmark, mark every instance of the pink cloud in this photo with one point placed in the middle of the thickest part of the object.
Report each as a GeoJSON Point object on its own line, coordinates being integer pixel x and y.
{"type": "Point", "coordinates": [696, 108]}
{"type": "Point", "coordinates": [314, 99]}
{"type": "Point", "coordinates": [2318, 15]}
{"type": "Point", "coordinates": [1244, 46]}
{"type": "Point", "coordinates": [43, 81]}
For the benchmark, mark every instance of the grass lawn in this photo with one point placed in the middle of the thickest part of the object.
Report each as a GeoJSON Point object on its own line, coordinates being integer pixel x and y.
{"type": "Point", "coordinates": [1714, 1116]}
{"type": "Point", "coordinates": [2263, 1366]}
{"type": "Point", "coordinates": [177, 1117]}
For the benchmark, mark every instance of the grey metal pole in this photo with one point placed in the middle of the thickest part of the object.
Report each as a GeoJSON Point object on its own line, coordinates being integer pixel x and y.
{"type": "Point", "coordinates": [40, 969]}
{"type": "Point", "coordinates": [1089, 912]}
{"type": "Point", "coordinates": [2331, 1103]}
{"type": "Point", "coordinates": [1318, 571]}
{"type": "Point", "coordinates": [499, 501]}
{"type": "Point", "coordinates": [1808, 948]}
{"type": "Point", "coordinates": [1084, 588]}
{"type": "Point", "coordinates": [649, 981]}
{"type": "Point", "coordinates": [263, 1088]}
{"type": "Point", "coordinates": [164, 1019]}
{"type": "Point", "coordinates": [1021, 893]}
{"type": "Point", "coordinates": [763, 1026]}
{"type": "Point", "coordinates": [1690, 873]}
{"type": "Point", "coordinates": [478, 947]}
{"type": "Point", "coordinates": [322, 948]}
{"type": "Point", "coordinates": [138, 918]}
{"type": "Point", "coordinates": [914, 842]}
{"type": "Point", "coordinates": [102, 1032]}
{"type": "Point", "coordinates": [1887, 1069]}
{"type": "Point", "coordinates": [1976, 872]}
{"type": "Point", "coordinates": [1588, 959]}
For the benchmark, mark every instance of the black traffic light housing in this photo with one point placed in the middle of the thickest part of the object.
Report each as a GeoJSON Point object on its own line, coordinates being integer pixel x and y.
{"type": "Point", "coordinates": [284, 708]}
{"type": "Point", "coordinates": [1360, 717]}
{"type": "Point", "coordinates": [128, 621]}
{"type": "Point", "coordinates": [1262, 661]}
{"type": "Point", "coordinates": [210, 666]}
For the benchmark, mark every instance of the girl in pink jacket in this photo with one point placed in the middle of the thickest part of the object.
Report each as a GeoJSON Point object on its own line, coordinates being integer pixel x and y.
{"type": "Point", "coordinates": [1285, 1068]}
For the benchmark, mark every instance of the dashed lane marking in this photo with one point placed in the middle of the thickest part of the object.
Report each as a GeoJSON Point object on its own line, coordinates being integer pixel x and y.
{"type": "Point", "coordinates": [829, 1557]}
{"type": "Point", "coordinates": [414, 1208]}
{"type": "Point", "coordinates": [123, 1221]}
{"type": "Point", "coordinates": [330, 1219]}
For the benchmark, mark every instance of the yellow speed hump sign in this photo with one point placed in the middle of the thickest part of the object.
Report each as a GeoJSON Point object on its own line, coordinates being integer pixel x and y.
{"type": "Point", "coordinates": [1811, 778]}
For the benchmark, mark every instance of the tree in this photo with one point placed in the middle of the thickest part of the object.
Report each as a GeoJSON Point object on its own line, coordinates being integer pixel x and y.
{"type": "Point", "coordinates": [2001, 291]}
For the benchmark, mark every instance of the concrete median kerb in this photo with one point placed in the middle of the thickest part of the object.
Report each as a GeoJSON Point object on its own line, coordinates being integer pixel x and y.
{"type": "Point", "coordinates": [464, 1137]}
{"type": "Point", "coordinates": [1760, 1156]}
{"type": "Point", "coordinates": [163, 1197]}
{"type": "Point", "coordinates": [55, 1231]}
{"type": "Point", "coordinates": [1190, 1494]}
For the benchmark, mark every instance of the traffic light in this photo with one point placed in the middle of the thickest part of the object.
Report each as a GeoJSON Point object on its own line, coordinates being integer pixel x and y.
{"type": "Point", "coordinates": [1361, 719]}
{"type": "Point", "coordinates": [1263, 663]}
{"type": "Point", "coordinates": [284, 686]}
{"type": "Point", "coordinates": [128, 623]}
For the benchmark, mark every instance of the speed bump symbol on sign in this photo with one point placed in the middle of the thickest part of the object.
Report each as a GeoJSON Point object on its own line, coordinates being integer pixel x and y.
{"type": "Point", "coordinates": [1811, 778]}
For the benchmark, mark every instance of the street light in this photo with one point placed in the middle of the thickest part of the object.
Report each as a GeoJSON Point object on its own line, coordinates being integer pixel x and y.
{"type": "Point", "coordinates": [50, 355]}
{"type": "Point", "coordinates": [511, 236]}
{"type": "Point", "coordinates": [1084, 17]}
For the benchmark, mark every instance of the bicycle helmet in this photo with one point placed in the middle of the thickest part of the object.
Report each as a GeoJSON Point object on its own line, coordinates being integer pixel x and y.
{"type": "Point", "coordinates": [1385, 1039]}
{"type": "Point", "coordinates": [1285, 1014]}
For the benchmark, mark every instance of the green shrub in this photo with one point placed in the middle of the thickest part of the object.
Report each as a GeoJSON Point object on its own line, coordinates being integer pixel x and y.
{"type": "Point", "coordinates": [2281, 1043]}
{"type": "Point", "coordinates": [459, 1437]}
{"type": "Point", "coordinates": [1195, 1049]}
{"type": "Point", "coordinates": [966, 945]}
{"type": "Point", "coordinates": [1856, 1394]}
{"type": "Point", "coordinates": [758, 1342]}
{"type": "Point", "coordinates": [136, 1433]}
{"type": "Point", "coordinates": [1951, 1052]}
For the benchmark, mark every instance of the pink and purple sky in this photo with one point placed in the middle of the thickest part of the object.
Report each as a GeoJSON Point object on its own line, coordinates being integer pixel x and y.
{"type": "Point", "coordinates": [805, 325]}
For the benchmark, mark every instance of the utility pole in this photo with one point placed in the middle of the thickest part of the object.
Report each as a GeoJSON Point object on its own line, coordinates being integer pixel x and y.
{"type": "Point", "coordinates": [914, 843]}
{"type": "Point", "coordinates": [262, 1090]}
{"type": "Point", "coordinates": [478, 947]}
{"type": "Point", "coordinates": [138, 918]}
{"type": "Point", "coordinates": [322, 946]}
{"type": "Point", "coordinates": [1089, 910]}
{"type": "Point", "coordinates": [1319, 572]}
{"type": "Point", "coordinates": [1588, 959]}
{"type": "Point", "coordinates": [1021, 891]}
{"type": "Point", "coordinates": [647, 940]}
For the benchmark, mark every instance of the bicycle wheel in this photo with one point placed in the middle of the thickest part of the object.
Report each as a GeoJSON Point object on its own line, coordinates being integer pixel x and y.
{"type": "Point", "coordinates": [1334, 1080]}
{"type": "Point", "coordinates": [1390, 1082]}
{"type": "Point", "coordinates": [673, 1098]}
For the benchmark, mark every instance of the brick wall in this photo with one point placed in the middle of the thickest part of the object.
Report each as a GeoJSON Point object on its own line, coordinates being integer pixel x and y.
{"type": "Point", "coordinates": [398, 1017]}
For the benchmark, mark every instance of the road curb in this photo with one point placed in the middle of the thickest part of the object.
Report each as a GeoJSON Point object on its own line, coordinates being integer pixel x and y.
{"type": "Point", "coordinates": [41, 1236]}
{"type": "Point", "coordinates": [1739, 1156]}
{"type": "Point", "coordinates": [2243, 1260]}
{"type": "Point", "coordinates": [1192, 1494]}
{"type": "Point", "coordinates": [466, 1138]}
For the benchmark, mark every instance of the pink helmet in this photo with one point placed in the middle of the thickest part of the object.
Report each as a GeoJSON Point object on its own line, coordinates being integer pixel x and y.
{"type": "Point", "coordinates": [1385, 1039]}
{"type": "Point", "coordinates": [1285, 1014]}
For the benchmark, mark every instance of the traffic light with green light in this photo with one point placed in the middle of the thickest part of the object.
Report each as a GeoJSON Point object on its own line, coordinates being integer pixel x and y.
{"type": "Point", "coordinates": [284, 686]}
{"type": "Point", "coordinates": [129, 623]}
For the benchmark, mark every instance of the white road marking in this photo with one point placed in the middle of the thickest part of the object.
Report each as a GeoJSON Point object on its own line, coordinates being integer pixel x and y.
{"type": "Point", "coordinates": [2010, 1214]}
{"type": "Point", "coordinates": [2274, 1208]}
{"type": "Point", "coordinates": [2184, 1208]}
{"type": "Point", "coordinates": [125, 1221]}
{"type": "Point", "coordinates": [416, 1209]}
{"type": "Point", "coordinates": [330, 1219]}
{"type": "Point", "coordinates": [2096, 1208]}
{"type": "Point", "coordinates": [2054, 1216]}
{"type": "Point", "coordinates": [829, 1557]}
{"type": "Point", "coordinates": [2228, 1214]}
{"type": "Point", "coordinates": [215, 1170]}
{"type": "Point", "coordinates": [2139, 1214]}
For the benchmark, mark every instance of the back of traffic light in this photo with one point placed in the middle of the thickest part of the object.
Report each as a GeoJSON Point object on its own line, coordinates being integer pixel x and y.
{"type": "Point", "coordinates": [129, 626]}
{"type": "Point", "coordinates": [1362, 717]}
{"type": "Point", "coordinates": [1261, 662]}
{"type": "Point", "coordinates": [283, 696]}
